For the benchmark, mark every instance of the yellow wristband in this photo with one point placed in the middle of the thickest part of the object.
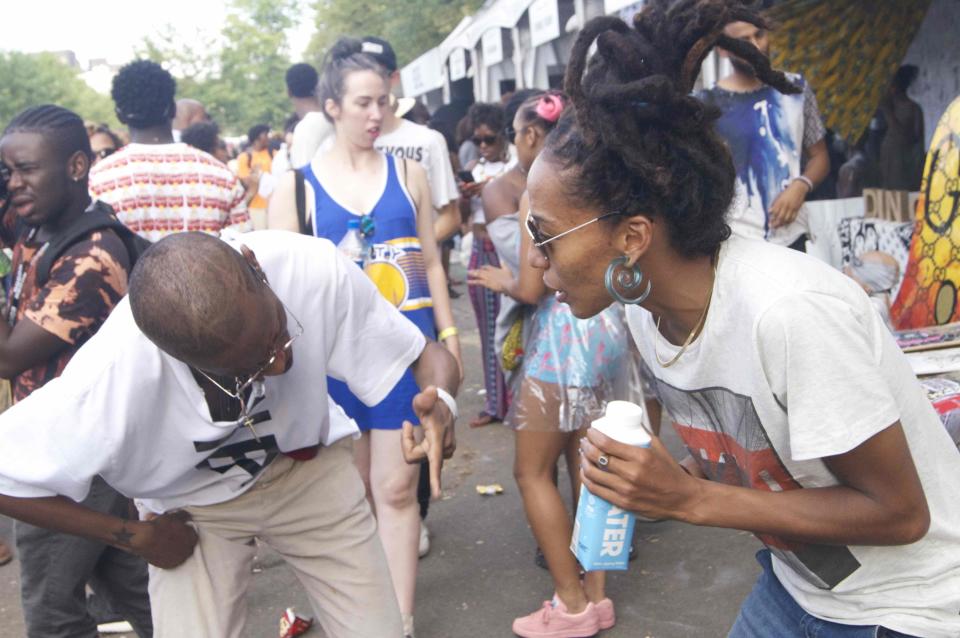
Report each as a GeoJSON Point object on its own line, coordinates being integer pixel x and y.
{"type": "Point", "coordinates": [446, 333]}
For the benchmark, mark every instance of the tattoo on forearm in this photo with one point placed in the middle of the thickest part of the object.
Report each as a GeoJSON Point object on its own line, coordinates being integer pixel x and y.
{"type": "Point", "coordinates": [123, 537]}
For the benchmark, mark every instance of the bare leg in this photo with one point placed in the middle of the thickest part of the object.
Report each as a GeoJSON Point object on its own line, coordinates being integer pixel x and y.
{"type": "Point", "coordinates": [536, 457]}
{"type": "Point", "coordinates": [393, 483]}
{"type": "Point", "coordinates": [594, 583]}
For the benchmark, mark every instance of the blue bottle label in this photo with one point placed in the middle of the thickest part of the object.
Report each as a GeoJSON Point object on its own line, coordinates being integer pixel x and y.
{"type": "Point", "coordinates": [601, 534]}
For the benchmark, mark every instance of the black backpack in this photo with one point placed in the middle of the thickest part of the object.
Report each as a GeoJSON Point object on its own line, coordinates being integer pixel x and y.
{"type": "Point", "coordinates": [98, 217]}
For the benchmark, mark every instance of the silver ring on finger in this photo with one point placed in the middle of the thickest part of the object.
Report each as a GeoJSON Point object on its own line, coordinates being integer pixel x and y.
{"type": "Point", "coordinates": [603, 462]}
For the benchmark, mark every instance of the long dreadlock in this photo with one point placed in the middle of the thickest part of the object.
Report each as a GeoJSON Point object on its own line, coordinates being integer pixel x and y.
{"type": "Point", "coordinates": [636, 141]}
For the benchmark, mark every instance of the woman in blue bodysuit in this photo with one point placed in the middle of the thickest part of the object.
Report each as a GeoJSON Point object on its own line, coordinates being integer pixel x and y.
{"type": "Point", "coordinates": [390, 197]}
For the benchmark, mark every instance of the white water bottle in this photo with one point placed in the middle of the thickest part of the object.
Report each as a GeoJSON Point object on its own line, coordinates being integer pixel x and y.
{"type": "Point", "coordinates": [602, 532]}
{"type": "Point", "coordinates": [353, 245]}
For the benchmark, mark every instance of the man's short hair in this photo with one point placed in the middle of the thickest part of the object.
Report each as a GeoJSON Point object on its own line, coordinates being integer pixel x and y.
{"type": "Point", "coordinates": [185, 291]}
{"type": "Point", "coordinates": [256, 131]}
{"type": "Point", "coordinates": [143, 94]}
{"type": "Point", "coordinates": [302, 80]}
{"type": "Point", "coordinates": [202, 135]}
{"type": "Point", "coordinates": [381, 51]}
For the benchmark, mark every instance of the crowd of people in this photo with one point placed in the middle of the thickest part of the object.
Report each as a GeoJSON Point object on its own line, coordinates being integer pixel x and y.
{"type": "Point", "coordinates": [211, 347]}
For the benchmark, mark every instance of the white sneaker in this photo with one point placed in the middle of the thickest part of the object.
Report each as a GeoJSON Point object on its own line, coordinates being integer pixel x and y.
{"type": "Point", "coordinates": [424, 547]}
{"type": "Point", "coordinates": [119, 627]}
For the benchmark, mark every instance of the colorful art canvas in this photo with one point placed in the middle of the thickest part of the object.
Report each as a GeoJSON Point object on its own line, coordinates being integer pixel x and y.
{"type": "Point", "coordinates": [928, 295]}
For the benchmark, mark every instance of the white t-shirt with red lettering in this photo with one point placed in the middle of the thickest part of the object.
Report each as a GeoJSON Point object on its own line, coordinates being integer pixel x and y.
{"type": "Point", "coordinates": [794, 365]}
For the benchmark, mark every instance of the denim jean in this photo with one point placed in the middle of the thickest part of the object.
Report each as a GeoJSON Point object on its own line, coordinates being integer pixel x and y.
{"type": "Point", "coordinates": [55, 569]}
{"type": "Point", "coordinates": [770, 610]}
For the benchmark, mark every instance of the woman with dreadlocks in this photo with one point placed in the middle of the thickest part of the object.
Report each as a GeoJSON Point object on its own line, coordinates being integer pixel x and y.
{"type": "Point", "coordinates": [804, 422]}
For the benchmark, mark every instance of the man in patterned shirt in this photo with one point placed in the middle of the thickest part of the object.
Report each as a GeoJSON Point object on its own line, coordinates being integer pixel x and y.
{"type": "Point", "coordinates": [158, 186]}
{"type": "Point", "coordinates": [777, 143]}
{"type": "Point", "coordinates": [49, 315]}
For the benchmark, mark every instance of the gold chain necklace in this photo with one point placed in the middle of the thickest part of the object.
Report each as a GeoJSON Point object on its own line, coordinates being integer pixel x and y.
{"type": "Point", "coordinates": [696, 328]}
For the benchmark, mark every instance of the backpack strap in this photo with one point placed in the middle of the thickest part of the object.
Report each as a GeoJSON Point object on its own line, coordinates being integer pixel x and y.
{"type": "Point", "coordinates": [306, 226]}
{"type": "Point", "coordinates": [98, 217]}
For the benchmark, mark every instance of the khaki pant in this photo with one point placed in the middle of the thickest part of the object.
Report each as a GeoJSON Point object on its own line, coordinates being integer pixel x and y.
{"type": "Point", "coordinates": [315, 515]}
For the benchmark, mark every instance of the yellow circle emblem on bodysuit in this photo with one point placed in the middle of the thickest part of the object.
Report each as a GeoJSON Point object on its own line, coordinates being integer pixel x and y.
{"type": "Point", "coordinates": [390, 281]}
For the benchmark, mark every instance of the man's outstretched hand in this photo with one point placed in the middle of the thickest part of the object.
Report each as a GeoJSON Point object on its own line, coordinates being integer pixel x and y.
{"type": "Point", "coordinates": [438, 442]}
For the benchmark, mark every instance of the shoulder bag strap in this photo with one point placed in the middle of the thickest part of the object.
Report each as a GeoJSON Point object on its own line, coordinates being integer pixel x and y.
{"type": "Point", "coordinates": [306, 227]}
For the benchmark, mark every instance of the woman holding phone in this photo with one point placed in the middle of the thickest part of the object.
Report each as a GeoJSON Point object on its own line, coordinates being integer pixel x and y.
{"type": "Point", "coordinates": [495, 159]}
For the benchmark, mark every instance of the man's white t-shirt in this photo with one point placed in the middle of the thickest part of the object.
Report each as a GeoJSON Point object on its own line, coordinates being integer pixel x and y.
{"type": "Point", "coordinates": [416, 142]}
{"type": "Point", "coordinates": [133, 414]}
{"type": "Point", "coordinates": [794, 365]}
{"type": "Point", "coordinates": [309, 136]}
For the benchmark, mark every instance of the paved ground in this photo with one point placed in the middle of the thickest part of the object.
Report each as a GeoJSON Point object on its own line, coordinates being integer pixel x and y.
{"type": "Point", "coordinates": [688, 582]}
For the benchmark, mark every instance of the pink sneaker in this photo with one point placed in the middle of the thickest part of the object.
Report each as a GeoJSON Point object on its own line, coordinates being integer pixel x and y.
{"type": "Point", "coordinates": [606, 614]}
{"type": "Point", "coordinates": [553, 621]}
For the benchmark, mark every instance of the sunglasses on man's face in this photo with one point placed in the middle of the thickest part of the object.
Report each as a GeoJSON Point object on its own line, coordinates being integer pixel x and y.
{"type": "Point", "coordinates": [489, 140]}
{"type": "Point", "coordinates": [104, 152]}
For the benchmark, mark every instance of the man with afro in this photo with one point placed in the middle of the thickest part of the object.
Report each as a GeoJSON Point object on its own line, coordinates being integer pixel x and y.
{"type": "Point", "coordinates": [156, 185]}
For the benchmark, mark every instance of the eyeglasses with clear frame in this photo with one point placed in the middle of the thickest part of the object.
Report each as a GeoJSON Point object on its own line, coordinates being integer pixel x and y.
{"type": "Point", "coordinates": [242, 386]}
{"type": "Point", "coordinates": [540, 240]}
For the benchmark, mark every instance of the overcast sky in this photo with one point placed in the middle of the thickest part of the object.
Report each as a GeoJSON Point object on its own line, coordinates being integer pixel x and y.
{"type": "Point", "coordinates": [114, 29]}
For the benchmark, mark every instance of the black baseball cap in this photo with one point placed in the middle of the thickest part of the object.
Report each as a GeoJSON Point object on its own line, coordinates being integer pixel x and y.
{"type": "Point", "coordinates": [380, 50]}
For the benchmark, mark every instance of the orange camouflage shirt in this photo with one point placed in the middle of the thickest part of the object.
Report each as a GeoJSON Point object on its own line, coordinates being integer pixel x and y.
{"type": "Point", "coordinates": [85, 283]}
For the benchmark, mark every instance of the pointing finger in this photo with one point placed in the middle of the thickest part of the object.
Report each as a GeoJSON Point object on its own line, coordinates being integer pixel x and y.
{"type": "Point", "coordinates": [412, 453]}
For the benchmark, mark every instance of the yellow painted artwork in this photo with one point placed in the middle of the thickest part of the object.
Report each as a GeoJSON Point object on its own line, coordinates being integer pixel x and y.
{"type": "Point", "coordinates": [928, 296]}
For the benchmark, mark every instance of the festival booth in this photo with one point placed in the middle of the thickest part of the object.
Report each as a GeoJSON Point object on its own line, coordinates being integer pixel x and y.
{"type": "Point", "coordinates": [456, 56]}
{"type": "Point", "coordinates": [507, 45]}
{"type": "Point", "coordinates": [848, 52]}
{"type": "Point", "coordinates": [424, 78]}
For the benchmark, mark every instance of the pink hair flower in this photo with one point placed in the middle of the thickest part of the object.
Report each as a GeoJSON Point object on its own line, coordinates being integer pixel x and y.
{"type": "Point", "coordinates": [550, 107]}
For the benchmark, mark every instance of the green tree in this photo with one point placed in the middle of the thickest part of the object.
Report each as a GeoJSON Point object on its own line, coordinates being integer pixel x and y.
{"type": "Point", "coordinates": [240, 80]}
{"type": "Point", "coordinates": [410, 26]}
{"type": "Point", "coordinates": [253, 62]}
{"type": "Point", "coordinates": [31, 79]}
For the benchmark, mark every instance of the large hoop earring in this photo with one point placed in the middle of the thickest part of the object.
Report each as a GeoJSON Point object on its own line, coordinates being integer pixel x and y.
{"type": "Point", "coordinates": [630, 279]}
